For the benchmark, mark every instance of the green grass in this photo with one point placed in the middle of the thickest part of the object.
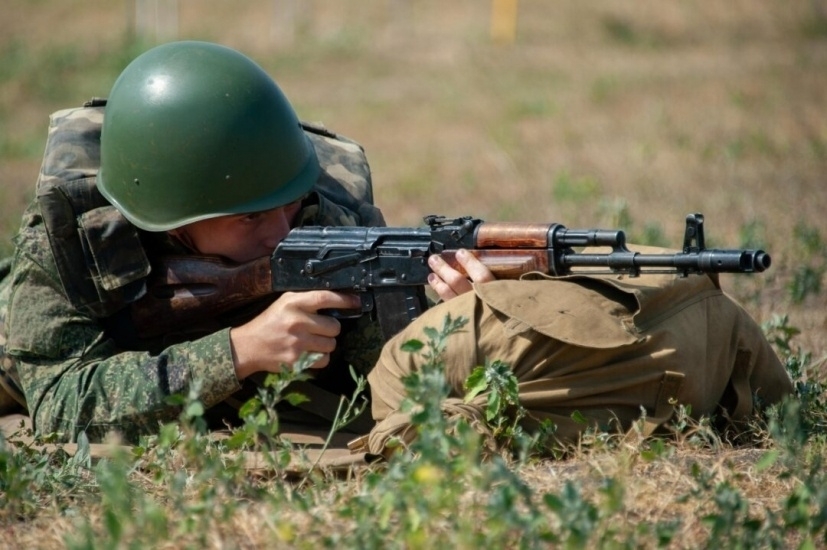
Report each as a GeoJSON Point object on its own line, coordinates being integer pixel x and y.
{"type": "Point", "coordinates": [184, 488]}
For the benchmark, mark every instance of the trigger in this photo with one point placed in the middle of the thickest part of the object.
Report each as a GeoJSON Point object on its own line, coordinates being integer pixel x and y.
{"type": "Point", "coordinates": [366, 307]}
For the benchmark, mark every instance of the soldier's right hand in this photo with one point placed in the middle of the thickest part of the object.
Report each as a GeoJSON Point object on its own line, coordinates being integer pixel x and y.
{"type": "Point", "coordinates": [290, 327]}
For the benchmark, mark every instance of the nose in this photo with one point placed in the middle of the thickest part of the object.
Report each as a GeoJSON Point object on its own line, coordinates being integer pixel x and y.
{"type": "Point", "coordinates": [276, 228]}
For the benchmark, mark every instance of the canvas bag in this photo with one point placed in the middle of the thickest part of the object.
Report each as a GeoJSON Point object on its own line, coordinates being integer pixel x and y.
{"type": "Point", "coordinates": [608, 347]}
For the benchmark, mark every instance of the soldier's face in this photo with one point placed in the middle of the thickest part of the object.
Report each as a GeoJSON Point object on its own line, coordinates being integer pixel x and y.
{"type": "Point", "coordinates": [241, 237]}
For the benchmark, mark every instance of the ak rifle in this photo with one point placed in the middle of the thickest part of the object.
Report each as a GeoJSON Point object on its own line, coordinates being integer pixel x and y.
{"type": "Point", "coordinates": [388, 267]}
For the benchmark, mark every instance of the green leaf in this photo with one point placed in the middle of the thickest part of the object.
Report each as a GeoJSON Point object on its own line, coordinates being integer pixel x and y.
{"type": "Point", "coordinates": [237, 440]}
{"type": "Point", "coordinates": [553, 501]}
{"type": "Point", "coordinates": [82, 456]}
{"type": "Point", "coordinates": [648, 456]}
{"type": "Point", "coordinates": [113, 524]}
{"type": "Point", "coordinates": [296, 398]}
{"type": "Point", "coordinates": [767, 460]}
{"type": "Point", "coordinates": [494, 405]}
{"type": "Point", "coordinates": [431, 333]}
{"type": "Point", "coordinates": [578, 417]}
{"type": "Point", "coordinates": [168, 435]}
{"type": "Point", "coordinates": [475, 384]}
{"type": "Point", "coordinates": [250, 407]}
{"type": "Point", "coordinates": [271, 380]}
{"type": "Point", "coordinates": [176, 400]}
{"type": "Point", "coordinates": [195, 409]}
{"type": "Point", "coordinates": [412, 346]}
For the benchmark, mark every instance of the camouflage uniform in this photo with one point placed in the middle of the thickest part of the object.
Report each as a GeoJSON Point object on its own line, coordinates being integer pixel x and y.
{"type": "Point", "coordinates": [11, 399]}
{"type": "Point", "coordinates": [76, 270]}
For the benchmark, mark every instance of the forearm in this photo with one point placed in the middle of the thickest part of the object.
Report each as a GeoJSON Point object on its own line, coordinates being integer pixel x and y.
{"type": "Point", "coordinates": [75, 377]}
{"type": "Point", "coordinates": [125, 392]}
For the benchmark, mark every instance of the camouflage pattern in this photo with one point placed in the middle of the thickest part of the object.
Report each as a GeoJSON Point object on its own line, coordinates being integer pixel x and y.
{"type": "Point", "coordinates": [72, 145]}
{"type": "Point", "coordinates": [344, 187]}
{"type": "Point", "coordinates": [76, 375]}
{"type": "Point", "coordinates": [11, 398]}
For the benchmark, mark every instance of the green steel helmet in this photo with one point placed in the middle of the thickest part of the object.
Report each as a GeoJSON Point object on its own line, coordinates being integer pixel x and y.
{"type": "Point", "coordinates": [194, 130]}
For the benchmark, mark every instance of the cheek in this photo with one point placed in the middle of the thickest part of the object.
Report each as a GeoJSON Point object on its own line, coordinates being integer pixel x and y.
{"type": "Point", "coordinates": [244, 243]}
{"type": "Point", "coordinates": [217, 240]}
{"type": "Point", "coordinates": [275, 228]}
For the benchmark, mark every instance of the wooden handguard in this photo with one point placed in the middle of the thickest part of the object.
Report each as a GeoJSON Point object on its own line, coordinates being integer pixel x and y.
{"type": "Point", "coordinates": [509, 250]}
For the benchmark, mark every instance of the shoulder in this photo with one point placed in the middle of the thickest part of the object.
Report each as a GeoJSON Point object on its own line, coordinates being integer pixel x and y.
{"type": "Point", "coordinates": [345, 186]}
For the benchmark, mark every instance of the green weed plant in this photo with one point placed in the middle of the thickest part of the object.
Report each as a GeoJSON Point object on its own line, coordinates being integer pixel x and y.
{"type": "Point", "coordinates": [448, 487]}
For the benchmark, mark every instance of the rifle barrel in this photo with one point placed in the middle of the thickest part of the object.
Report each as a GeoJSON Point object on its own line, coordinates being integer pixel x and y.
{"type": "Point", "coordinates": [704, 261]}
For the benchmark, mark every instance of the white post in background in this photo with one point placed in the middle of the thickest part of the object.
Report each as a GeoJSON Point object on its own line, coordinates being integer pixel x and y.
{"type": "Point", "coordinates": [283, 27]}
{"type": "Point", "coordinates": [157, 19]}
{"type": "Point", "coordinates": [144, 17]}
{"type": "Point", "coordinates": [166, 24]}
{"type": "Point", "coordinates": [399, 22]}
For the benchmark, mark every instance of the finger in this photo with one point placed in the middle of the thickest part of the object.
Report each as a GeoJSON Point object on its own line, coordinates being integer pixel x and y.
{"type": "Point", "coordinates": [319, 344]}
{"type": "Point", "coordinates": [323, 325]}
{"type": "Point", "coordinates": [441, 288]}
{"type": "Point", "coordinates": [310, 345]}
{"type": "Point", "coordinates": [322, 362]}
{"type": "Point", "coordinates": [453, 278]}
{"type": "Point", "coordinates": [476, 270]}
{"type": "Point", "coordinates": [314, 300]}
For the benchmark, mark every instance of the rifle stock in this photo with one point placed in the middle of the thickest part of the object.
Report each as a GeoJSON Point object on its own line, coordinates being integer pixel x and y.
{"type": "Point", "coordinates": [183, 289]}
{"type": "Point", "coordinates": [388, 266]}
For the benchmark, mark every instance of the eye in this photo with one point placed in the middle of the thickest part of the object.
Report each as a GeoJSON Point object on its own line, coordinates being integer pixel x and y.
{"type": "Point", "coordinates": [251, 217]}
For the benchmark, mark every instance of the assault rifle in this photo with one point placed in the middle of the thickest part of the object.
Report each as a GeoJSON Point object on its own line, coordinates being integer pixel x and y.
{"type": "Point", "coordinates": [388, 266]}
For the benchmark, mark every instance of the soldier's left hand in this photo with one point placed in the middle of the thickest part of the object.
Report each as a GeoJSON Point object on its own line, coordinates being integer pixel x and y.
{"type": "Point", "coordinates": [449, 283]}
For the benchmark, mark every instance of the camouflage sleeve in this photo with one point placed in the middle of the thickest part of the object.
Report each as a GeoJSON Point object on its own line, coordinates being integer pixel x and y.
{"type": "Point", "coordinates": [361, 345]}
{"type": "Point", "coordinates": [74, 377]}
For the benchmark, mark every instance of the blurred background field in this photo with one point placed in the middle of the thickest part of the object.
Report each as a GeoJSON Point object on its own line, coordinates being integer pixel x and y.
{"type": "Point", "coordinates": [609, 114]}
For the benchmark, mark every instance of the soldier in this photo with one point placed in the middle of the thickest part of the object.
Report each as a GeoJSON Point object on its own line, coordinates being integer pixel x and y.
{"type": "Point", "coordinates": [200, 152]}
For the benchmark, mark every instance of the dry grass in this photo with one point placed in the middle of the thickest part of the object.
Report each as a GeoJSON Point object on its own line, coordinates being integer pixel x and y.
{"type": "Point", "coordinates": [664, 108]}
